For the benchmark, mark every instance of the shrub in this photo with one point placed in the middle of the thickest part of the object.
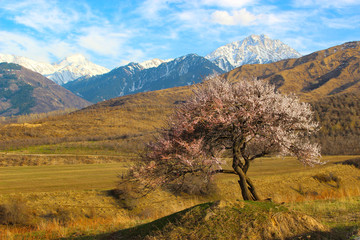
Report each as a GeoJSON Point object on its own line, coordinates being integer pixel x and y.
{"type": "Point", "coordinates": [327, 179]}
{"type": "Point", "coordinates": [16, 213]}
{"type": "Point", "coordinates": [193, 184]}
{"type": "Point", "coordinates": [128, 191]}
{"type": "Point", "coordinates": [353, 162]}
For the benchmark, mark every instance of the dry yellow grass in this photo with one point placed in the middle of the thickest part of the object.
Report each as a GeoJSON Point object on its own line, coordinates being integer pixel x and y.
{"type": "Point", "coordinates": [127, 121]}
{"type": "Point", "coordinates": [89, 212]}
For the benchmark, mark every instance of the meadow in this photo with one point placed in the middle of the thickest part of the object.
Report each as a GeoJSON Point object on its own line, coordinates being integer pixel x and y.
{"type": "Point", "coordinates": [76, 200]}
{"type": "Point", "coordinates": [58, 174]}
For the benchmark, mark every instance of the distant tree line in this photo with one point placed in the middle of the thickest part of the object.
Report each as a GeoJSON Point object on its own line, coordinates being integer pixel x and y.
{"type": "Point", "coordinates": [340, 124]}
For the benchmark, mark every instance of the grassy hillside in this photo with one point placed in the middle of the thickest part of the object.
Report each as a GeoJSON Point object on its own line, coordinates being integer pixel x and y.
{"type": "Point", "coordinates": [120, 124]}
{"type": "Point", "coordinates": [340, 123]}
{"type": "Point", "coordinates": [123, 125]}
{"type": "Point", "coordinates": [23, 91]}
{"type": "Point", "coordinates": [312, 77]}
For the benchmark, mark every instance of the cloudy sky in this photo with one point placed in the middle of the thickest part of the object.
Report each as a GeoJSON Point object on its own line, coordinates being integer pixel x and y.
{"type": "Point", "coordinates": [112, 33]}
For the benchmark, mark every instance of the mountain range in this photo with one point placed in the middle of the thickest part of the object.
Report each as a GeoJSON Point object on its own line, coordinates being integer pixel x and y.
{"type": "Point", "coordinates": [253, 49]}
{"type": "Point", "coordinates": [159, 74]}
{"type": "Point", "coordinates": [64, 71]}
{"type": "Point", "coordinates": [314, 76]}
{"type": "Point", "coordinates": [134, 78]}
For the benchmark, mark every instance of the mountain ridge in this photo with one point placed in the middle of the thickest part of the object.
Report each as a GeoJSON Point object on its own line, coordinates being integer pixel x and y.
{"type": "Point", "coordinates": [322, 73]}
{"type": "Point", "coordinates": [226, 57]}
{"type": "Point", "coordinates": [61, 72]}
{"type": "Point", "coordinates": [251, 50]}
{"type": "Point", "coordinates": [134, 78]}
{"type": "Point", "coordinates": [158, 74]}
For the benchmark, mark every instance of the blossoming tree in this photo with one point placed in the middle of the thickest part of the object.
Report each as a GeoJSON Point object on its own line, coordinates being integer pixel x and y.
{"type": "Point", "coordinates": [249, 118]}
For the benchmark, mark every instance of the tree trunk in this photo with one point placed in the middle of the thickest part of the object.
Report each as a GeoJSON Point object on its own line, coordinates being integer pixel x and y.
{"type": "Point", "coordinates": [246, 186]}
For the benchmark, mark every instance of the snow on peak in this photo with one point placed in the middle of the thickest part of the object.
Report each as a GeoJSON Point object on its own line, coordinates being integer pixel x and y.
{"type": "Point", "coordinates": [66, 70]}
{"type": "Point", "coordinates": [153, 63]}
{"type": "Point", "coordinates": [251, 50]}
{"type": "Point", "coordinates": [76, 58]}
{"type": "Point", "coordinates": [73, 67]}
{"type": "Point", "coordinates": [40, 67]}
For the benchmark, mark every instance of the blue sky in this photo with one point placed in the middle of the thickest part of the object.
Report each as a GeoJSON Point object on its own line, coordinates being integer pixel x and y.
{"type": "Point", "coordinates": [112, 33]}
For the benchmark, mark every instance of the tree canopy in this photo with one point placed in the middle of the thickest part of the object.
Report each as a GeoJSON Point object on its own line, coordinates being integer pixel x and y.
{"type": "Point", "coordinates": [248, 118]}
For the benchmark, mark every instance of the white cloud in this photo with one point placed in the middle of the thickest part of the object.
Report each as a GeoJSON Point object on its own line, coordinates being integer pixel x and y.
{"type": "Point", "coordinates": [103, 41]}
{"type": "Point", "coordinates": [325, 3]}
{"type": "Point", "coordinates": [150, 9]}
{"type": "Point", "coordinates": [22, 45]}
{"type": "Point", "coordinates": [61, 49]}
{"type": "Point", "coordinates": [110, 42]}
{"type": "Point", "coordinates": [343, 23]}
{"type": "Point", "coordinates": [228, 3]}
{"type": "Point", "coordinates": [239, 17]}
{"type": "Point", "coordinates": [193, 18]}
{"type": "Point", "coordinates": [42, 15]}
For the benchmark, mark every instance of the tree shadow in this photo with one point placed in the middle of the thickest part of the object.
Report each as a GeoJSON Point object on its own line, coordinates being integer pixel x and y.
{"type": "Point", "coordinates": [304, 193]}
{"type": "Point", "coordinates": [339, 233]}
{"type": "Point", "coordinates": [143, 230]}
{"type": "Point", "coordinates": [352, 162]}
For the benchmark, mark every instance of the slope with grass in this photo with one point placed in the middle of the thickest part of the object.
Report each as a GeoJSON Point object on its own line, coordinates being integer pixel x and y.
{"type": "Point", "coordinates": [23, 91]}
{"type": "Point", "coordinates": [217, 220]}
{"type": "Point", "coordinates": [122, 124]}
{"type": "Point", "coordinates": [324, 73]}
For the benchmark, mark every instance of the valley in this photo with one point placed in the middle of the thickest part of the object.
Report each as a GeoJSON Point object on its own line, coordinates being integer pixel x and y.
{"type": "Point", "coordinates": [62, 171]}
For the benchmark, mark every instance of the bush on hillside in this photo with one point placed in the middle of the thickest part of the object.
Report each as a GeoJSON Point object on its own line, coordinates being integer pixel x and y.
{"type": "Point", "coordinates": [16, 213]}
{"type": "Point", "coordinates": [193, 184]}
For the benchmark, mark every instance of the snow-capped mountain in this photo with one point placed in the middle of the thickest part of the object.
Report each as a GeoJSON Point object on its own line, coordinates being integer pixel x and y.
{"type": "Point", "coordinates": [134, 78]}
{"type": "Point", "coordinates": [252, 50]}
{"type": "Point", "coordinates": [39, 67]}
{"type": "Point", "coordinates": [73, 67]}
{"type": "Point", "coordinates": [153, 63]}
{"type": "Point", "coordinates": [64, 71]}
